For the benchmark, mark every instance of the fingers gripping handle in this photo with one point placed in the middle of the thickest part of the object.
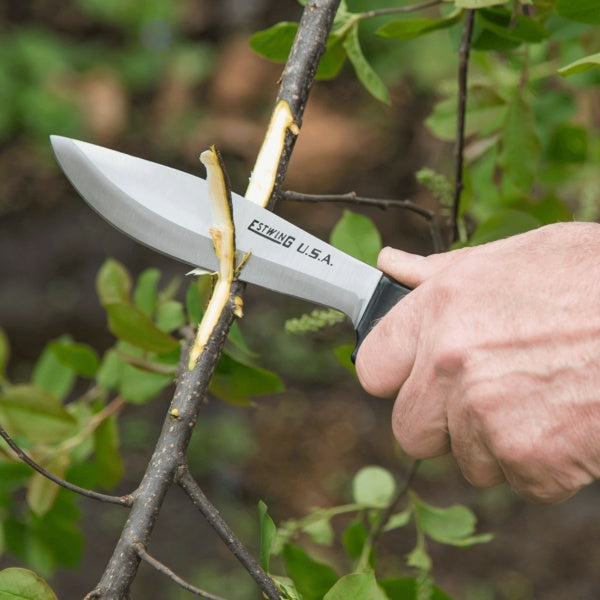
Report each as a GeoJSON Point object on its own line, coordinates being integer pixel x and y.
{"type": "Point", "coordinates": [387, 293]}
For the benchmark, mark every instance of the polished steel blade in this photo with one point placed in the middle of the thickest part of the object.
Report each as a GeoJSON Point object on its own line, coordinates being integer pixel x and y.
{"type": "Point", "coordinates": [169, 211]}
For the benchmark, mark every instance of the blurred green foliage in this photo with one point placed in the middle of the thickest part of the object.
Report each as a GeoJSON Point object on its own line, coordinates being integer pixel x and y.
{"type": "Point", "coordinates": [43, 71]}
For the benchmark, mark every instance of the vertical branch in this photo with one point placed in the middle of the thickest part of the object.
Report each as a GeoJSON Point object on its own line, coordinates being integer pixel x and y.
{"type": "Point", "coordinates": [299, 73]}
{"type": "Point", "coordinates": [465, 47]}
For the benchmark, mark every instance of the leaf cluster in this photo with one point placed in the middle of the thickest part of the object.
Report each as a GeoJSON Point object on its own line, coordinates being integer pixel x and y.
{"type": "Point", "coordinates": [74, 434]}
{"type": "Point", "coordinates": [530, 152]}
{"type": "Point", "coordinates": [373, 492]}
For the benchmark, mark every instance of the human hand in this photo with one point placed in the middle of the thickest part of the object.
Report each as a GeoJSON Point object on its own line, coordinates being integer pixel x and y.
{"type": "Point", "coordinates": [495, 356]}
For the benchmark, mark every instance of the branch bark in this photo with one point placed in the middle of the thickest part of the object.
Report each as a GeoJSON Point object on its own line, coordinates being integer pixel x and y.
{"type": "Point", "coordinates": [119, 500]}
{"type": "Point", "coordinates": [170, 451]}
{"type": "Point", "coordinates": [463, 66]}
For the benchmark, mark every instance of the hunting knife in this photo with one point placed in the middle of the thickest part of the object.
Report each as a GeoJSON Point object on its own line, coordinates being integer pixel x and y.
{"type": "Point", "coordinates": [169, 211]}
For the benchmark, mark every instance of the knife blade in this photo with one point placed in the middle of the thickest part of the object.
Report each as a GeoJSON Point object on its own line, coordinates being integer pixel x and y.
{"type": "Point", "coordinates": [169, 211]}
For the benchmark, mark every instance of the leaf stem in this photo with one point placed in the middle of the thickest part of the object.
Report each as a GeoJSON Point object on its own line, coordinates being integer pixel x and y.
{"type": "Point", "coordinates": [120, 500]}
{"type": "Point", "coordinates": [463, 66]}
{"type": "Point", "coordinates": [162, 568]}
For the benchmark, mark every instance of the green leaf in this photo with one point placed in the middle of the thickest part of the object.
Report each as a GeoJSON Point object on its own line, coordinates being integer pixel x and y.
{"type": "Point", "coordinates": [365, 73]}
{"type": "Point", "coordinates": [547, 210]}
{"type": "Point", "coordinates": [41, 492]}
{"type": "Point", "coordinates": [405, 588]}
{"type": "Point", "coordinates": [35, 414]}
{"type": "Point", "coordinates": [135, 385]}
{"type": "Point", "coordinates": [343, 355]}
{"type": "Point", "coordinates": [138, 386]}
{"type": "Point", "coordinates": [484, 108]}
{"type": "Point", "coordinates": [109, 374]}
{"type": "Point", "coordinates": [373, 486]}
{"type": "Point", "coordinates": [453, 525]}
{"type": "Point", "coordinates": [106, 451]}
{"type": "Point", "coordinates": [13, 475]}
{"type": "Point", "coordinates": [516, 28]}
{"type": "Point", "coordinates": [23, 584]}
{"type": "Point", "coordinates": [520, 144]}
{"type": "Point", "coordinates": [312, 578]}
{"type": "Point", "coordinates": [236, 382]}
{"type": "Point", "coordinates": [236, 337]}
{"type": "Point", "coordinates": [333, 58]}
{"type": "Point", "coordinates": [145, 295]}
{"type": "Point", "coordinates": [170, 316]}
{"type": "Point", "coordinates": [357, 235]}
{"type": "Point", "coordinates": [398, 520]}
{"type": "Point", "coordinates": [582, 11]}
{"type": "Point", "coordinates": [51, 374]}
{"type": "Point", "coordinates": [56, 536]}
{"type": "Point", "coordinates": [356, 586]}
{"type": "Point", "coordinates": [477, 3]}
{"type": "Point", "coordinates": [267, 535]}
{"type": "Point", "coordinates": [409, 29]}
{"type": "Point", "coordinates": [320, 531]}
{"type": "Point", "coordinates": [4, 352]}
{"type": "Point", "coordinates": [113, 283]}
{"type": "Point", "coordinates": [503, 224]}
{"type": "Point", "coordinates": [275, 42]}
{"type": "Point", "coordinates": [580, 66]}
{"type": "Point", "coordinates": [354, 538]}
{"type": "Point", "coordinates": [196, 298]}
{"type": "Point", "coordinates": [130, 324]}
{"type": "Point", "coordinates": [419, 559]}
{"type": "Point", "coordinates": [80, 358]}
{"type": "Point", "coordinates": [568, 144]}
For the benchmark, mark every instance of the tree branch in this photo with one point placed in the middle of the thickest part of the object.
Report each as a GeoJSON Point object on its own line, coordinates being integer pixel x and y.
{"type": "Point", "coordinates": [216, 521]}
{"type": "Point", "coordinates": [161, 568]}
{"type": "Point", "coordinates": [299, 73]}
{"type": "Point", "coordinates": [120, 500]}
{"type": "Point", "coordinates": [192, 385]}
{"type": "Point", "coordinates": [463, 66]}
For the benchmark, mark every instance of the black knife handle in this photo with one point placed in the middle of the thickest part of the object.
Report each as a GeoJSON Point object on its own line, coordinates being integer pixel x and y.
{"type": "Point", "coordinates": [387, 293]}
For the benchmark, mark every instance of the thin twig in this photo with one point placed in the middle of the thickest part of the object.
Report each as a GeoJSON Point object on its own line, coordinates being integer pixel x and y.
{"type": "Point", "coordinates": [299, 73]}
{"type": "Point", "coordinates": [145, 365]}
{"type": "Point", "coordinates": [378, 12]}
{"type": "Point", "coordinates": [119, 500]}
{"type": "Point", "coordinates": [216, 521]}
{"type": "Point", "coordinates": [385, 516]}
{"type": "Point", "coordinates": [353, 198]}
{"type": "Point", "coordinates": [161, 568]}
{"type": "Point", "coordinates": [113, 407]}
{"type": "Point", "coordinates": [463, 67]}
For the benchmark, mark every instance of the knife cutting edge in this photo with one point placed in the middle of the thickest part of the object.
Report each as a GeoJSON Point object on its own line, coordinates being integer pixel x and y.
{"type": "Point", "coordinates": [169, 211]}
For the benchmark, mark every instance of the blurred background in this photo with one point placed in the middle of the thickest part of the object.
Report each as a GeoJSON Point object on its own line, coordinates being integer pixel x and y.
{"type": "Point", "coordinates": [164, 79]}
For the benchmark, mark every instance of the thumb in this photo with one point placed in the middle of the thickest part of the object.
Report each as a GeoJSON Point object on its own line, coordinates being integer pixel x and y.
{"type": "Point", "coordinates": [412, 269]}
